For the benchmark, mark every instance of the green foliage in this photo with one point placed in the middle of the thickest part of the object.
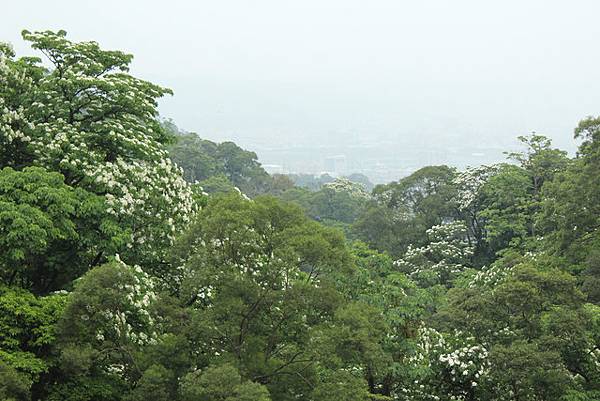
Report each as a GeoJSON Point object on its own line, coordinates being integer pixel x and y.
{"type": "Point", "coordinates": [152, 386]}
{"type": "Point", "coordinates": [258, 275]}
{"type": "Point", "coordinates": [202, 160]}
{"type": "Point", "coordinates": [540, 160]}
{"type": "Point", "coordinates": [340, 200]}
{"type": "Point", "coordinates": [590, 278]}
{"type": "Point", "coordinates": [506, 206]}
{"type": "Point", "coordinates": [217, 185]}
{"type": "Point", "coordinates": [13, 386]}
{"type": "Point", "coordinates": [570, 206]}
{"type": "Point", "coordinates": [404, 210]}
{"type": "Point", "coordinates": [180, 295]}
{"type": "Point", "coordinates": [84, 388]}
{"type": "Point", "coordinates": [220, 383]}
{"type": "Point", "coordinates": [539, 331]}
{"type": "Point", "coordinates": [47, 225]}
{"type": "Point", "coordinates": [311, 182]}
{"type": "Point", "coordinates": [524, 371]}
{"type": "Point", "coordinates": [341, 386]}
{"type": "Point", "coordinates": [28, 330]}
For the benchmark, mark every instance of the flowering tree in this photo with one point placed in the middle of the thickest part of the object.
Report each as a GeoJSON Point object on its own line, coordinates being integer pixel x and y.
{"type": "Point", "coordinates": [469, 183]}
{"type": "Point", "coordinates": [258, 283]}
{"type": "Point", "coordinates": [108, 318]}
{"type": "Point", "coordinates": [354, 189]}
{"type": "Point", "coordinates": [447, 366]}
{"type": "Point", "coordinates": [442, 259]}
{"type": "Point", "coordinates": [88, 119]}
{"type": "Point", "coordinates": [498, 203]}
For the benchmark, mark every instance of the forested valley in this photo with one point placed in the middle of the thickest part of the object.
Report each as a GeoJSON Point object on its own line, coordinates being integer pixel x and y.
{"type": "Point", "coordinates": [139, 262]}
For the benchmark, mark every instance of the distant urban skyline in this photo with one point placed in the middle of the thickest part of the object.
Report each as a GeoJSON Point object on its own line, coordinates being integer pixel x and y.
{"type": "Point", "coordinates": [278, 74]}
{"type": "Point", "coordinates": [386, 76]}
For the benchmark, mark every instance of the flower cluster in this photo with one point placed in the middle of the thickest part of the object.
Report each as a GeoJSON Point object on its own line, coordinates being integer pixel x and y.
{"type": "Point", "coordinates": [451, 365]}
{"type": "Point", "coordinates": [354, 189]}
{"type": "Point", "coordinates": [10, 122]}
{"type": "Point", "coordinates": [13, 118]}
{"type": "Point", "coordinates": [467, 363]}
{"type": "Point", "coordinates": [490, 276]}
{"type": "Point", "coordinates": [469, 183]}
{"type": "Point", "coordinates": [446, 255]}
{"type": "Point", "coordinates": [132, 322]}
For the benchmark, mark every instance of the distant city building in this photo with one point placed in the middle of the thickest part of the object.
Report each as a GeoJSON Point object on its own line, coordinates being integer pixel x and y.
{"type": "Point", "coordinates": [336, 164]}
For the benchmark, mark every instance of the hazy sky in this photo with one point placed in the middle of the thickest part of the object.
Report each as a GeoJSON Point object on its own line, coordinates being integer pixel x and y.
{"type": "Point", "coordinates": [309, 70]}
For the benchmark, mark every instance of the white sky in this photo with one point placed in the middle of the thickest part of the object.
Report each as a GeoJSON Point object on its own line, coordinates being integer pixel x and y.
{"type": "Point", "coordinates": [310, 70]}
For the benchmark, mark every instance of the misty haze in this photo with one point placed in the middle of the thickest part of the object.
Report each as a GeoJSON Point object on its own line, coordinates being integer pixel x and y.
{"type": "Point", "coordinates": [277, 200]}
{"type": "Point", "coordinates": [390, 86]}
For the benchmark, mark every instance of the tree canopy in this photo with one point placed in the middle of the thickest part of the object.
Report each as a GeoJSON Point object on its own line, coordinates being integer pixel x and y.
{"type": "Point", "coordinates": [140, 262]}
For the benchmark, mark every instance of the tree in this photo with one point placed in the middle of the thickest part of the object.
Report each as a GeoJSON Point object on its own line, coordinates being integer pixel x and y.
{"type": "Point", "coordinates": [362, 180]}
{"type": "Point", "coordinates": [539, 159]}
{"type": "Point", "coordinates": [220, 383]}
{"type": "Point", "coordinates": [340, 200]}
{"type": "Point", "coordinates": [341, 386]}
{"type": "Point", "coordinates": [218, 184]}
{"type": "Point", "coordinates": [280, 183]}
{"type": "Point", "coordinates": [354, 342]}
{"type": "Point", "coordinates": [27, 335]}
{"type": "Point", "coordinates": [376, 227]}
{"type": "Point", "coordinates": [445, 256]}
{"type": "Point", "coordinates": [202, 160]}
{"type": "Point", "coordinates": [152, 386]}
{"type": "Point", "coordinates": [590, 278]}
{"type": "Point", "coordinates": [122, 281]}
{"type": "Point", "coordinates": [311, 182]}
{"type": "Point", "coordinates": [410, 206]}
{"type": "Point", "coordinates": [91, 121]}
{"type": "Point", "coordinates": [257, 277]}
{"type": "Point", "coordinates": [51, 232]}
{"type": "Point", "coordinates": [506, 209]}
{"type": "Point", "coordinates": [107, 321]}
{"type": "Point", "coordinates": [523, 371]}
{"type": "Point", "coordinates": [469, 184]}
{"type": "Point", "coordinates": [242, 168]}
{"type": "Point", "coordinates": [13, 386]}
{"type": "Point", "coordinates": [570, 208]}
{"type": "Point", "coordinates": [446, 366]}
{"type": "Point", "coordinates": [427, 194]}
{"type": "Point", "coordinates": [537, 330]}
{"type": "Point", "coordinates": [394, 308]}
{"type": "Point", "coordinates": [498, 205]}
{"type": "Point", "coordinates": [194, 155]}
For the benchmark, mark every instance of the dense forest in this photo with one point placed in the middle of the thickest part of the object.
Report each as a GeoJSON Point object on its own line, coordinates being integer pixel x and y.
{"type": "Point", "coordinates": [141, 262]}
